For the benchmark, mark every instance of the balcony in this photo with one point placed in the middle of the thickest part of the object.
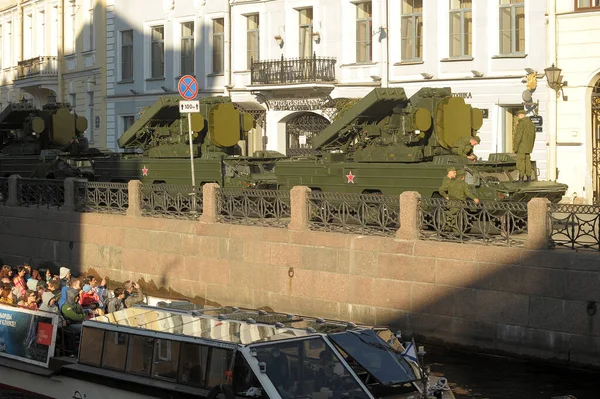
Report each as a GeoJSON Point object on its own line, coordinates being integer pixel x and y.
{"type": "Point", "coordinates": [38, 66]}
{"type": "Point", "coordinates": [293, 71]}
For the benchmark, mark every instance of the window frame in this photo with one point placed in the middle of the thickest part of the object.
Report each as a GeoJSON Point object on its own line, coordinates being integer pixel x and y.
{"type": "Point", "coordinates": [124, 119]}
{"type": "Point", "coordinates": [252, 35]}
{"type": "Point", "coordinates": [513, 28]}
{"type": "Point", "coordinates": [461, 11]}
{"type": "Point", "coordinates": [154, 74]}
{"type": "Point", "coordinates": [91, 39]}
{"type": "Point", "coordinates": [368, 31]}
{"type": "Point", "coordinates": [131, 55]}
{"type": "Point", "coordinates": [302, 27]}
{"type": "Point", "coordinates": [577, 8]}
{"type": "Point", "coordinates": [414, 17]}
{"type": "Point", "coordinates": [187, 62]}
{"type": "Point", "coordinates": [215, 50]}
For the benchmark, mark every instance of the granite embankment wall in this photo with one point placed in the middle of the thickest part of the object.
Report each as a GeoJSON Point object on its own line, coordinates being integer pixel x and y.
{"type": "Point", "coordinates": [509, 300]}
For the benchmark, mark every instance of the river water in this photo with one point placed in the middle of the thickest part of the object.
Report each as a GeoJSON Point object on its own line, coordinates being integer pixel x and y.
{"type": "Point", "coordinates": [481, 376]}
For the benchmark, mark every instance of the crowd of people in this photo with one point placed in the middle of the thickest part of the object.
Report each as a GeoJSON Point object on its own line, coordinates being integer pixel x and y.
{"type": "Point", "coordinates": [73, 299]}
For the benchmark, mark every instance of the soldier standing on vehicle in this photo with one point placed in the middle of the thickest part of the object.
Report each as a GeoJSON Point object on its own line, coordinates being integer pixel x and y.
{"type": "Point", "coordinates": [523, 145]}
{"type": "Point", "coordinates": [448, 180]}
{"type": "Point", "coordinates": [463, 146]}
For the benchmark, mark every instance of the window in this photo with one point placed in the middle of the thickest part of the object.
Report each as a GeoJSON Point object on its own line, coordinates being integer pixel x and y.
{"type": "Point", "coordinates": [191, 369]}
{"type": "Point", "coordinates": [127, 55]}
{"type": "Point", "coordinates": [91, 346]}
{"type": "Point", "coordinates": [139, 358]}
{"type": "Point", "coordinates": [90, 116]}
{"type": "Point", "coordinates": [73, 100]}
{"type": "Point", "coordinates": [158, 51]}
{"type": "Point", "coordinates": [220, 360]}
{"type": "Point", "coordinates": [461, 28]}
{"type": "Point", "coordinates": [28, 39]}
{"type": "Point", "coordinates": [587, 5]}
{"type": "Point", "coordinates": [306, 29]}
{"type": "Point", "coordinates": [54, 32]}
{"type": "Point", "coordinates": [89, 41]}
{"type": "Point", "coordinates": [9, 44]}
{"type": "Point", "coordinates": [187, 48]}
{"type": "Point", "coordinates": [115, 350]}
{"type": "Point", "coordinates": [412, 30]}
{"type": "Point", "coordinates": [1, 47]}
{"type": "Point", "coordinates": [364, 27]}
{"type": "Point", "coordinates": [512, 26]}
{"type": "Point", "coordinates": [166, 359]}
{"type": "Point", "coordinates": [253, 39]}
{"type": "Point", "coordinates": [41, 34]}
{"type": "Point", "coordinates": [73, 27]}
{"type": "Point", "coordinates": [218, 45]}
{"type": "Point", "coordinates": [127, 122]}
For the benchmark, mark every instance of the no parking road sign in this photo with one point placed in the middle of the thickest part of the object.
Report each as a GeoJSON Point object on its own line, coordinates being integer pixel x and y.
{"type": "Point", "coordinates": [188, 87]}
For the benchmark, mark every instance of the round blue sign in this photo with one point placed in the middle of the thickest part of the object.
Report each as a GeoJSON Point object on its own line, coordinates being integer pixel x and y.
{"type": "Point", "coordinates": [188, 87]}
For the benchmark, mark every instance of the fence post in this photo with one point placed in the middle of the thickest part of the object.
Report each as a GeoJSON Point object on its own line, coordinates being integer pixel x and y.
{"type": "Point", "coordinates": [69, 204]}
{"type": "Point", "coordinates": [409, 216]}
{"type": "Point", "coordinates": [537, 224]}
{"type": "Point", "coordinates": [299, 208]}
{"type": "Point", "coordinates": [210, 203]}
{"type": "Point", "coordinates": [13, 190]}
{"type": "Point", "coordinates": [134, 191]}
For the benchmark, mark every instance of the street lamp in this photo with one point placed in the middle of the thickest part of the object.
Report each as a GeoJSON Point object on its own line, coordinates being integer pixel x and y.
{"type": "Point", "coordinates": [554, 78]}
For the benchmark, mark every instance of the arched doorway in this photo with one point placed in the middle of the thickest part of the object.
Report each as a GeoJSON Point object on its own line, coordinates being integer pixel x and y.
{"type": "Point", "coordinates": [596, 141]}
{"type": "Point", "coordinates": [300, 130]}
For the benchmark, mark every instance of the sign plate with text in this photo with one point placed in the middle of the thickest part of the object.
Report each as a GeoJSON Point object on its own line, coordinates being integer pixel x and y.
{"type": "Point", "coordinates": [186, 107]}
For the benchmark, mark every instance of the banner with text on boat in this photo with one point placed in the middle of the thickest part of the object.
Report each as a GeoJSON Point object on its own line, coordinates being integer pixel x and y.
{"type": "Point", "coordinates": [26, 335]}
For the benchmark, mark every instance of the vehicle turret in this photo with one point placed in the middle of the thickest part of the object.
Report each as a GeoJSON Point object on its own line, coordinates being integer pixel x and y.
{"type": "Point", "coordinates": [26, 130]}
{"type": "Point", "coordinates": [162, 132]}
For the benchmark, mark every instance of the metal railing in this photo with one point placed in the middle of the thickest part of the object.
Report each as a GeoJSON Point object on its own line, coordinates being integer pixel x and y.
{"type": "Point", "coordinates": [3, 190]}
{"type": "Point", "coordinates": [254, 207]}
{"type": "Point", "coordinates": [373, 214]}
{"type": "Point", "coordinates": [171, 201]}
{"type": "Point", "coordinates": [490, 223]}
{"type": "Point", "coordinates": [101, 197]}
{"type": "Point", "coordinates": [293, 70]}
{"type": "Point", "coordinates": [574, 226]}
{"type": "Point", "coordinates": [42, 65]}
{"type": "Point", "coordinates": [46, 193]}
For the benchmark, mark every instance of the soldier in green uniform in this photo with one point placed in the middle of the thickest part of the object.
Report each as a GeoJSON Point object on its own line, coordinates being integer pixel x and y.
{"type": "Point", "coordinates": [458, 190]}
{"type": "Point", "coordinates": [448, 180]}
{"type": "Point", "coordinates": [463, 146]}
{"type": "Point", "coordinates": [523, 145]}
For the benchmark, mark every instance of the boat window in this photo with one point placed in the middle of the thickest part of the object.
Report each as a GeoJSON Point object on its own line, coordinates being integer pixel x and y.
{"type": "Point", "coordinates": [220, 362]}
{"type": "Point", "coordinates": [193, 364]}
{"type": "Point", "coordinates": [166, 359]}
{"type": "Point", "coordinates": [139, 358]}
{"type": "Point", "coordinates": [245, 382]}
{"type": "Point", "coordinates": [115, 350]}
{"type": "Point", "coordinates": [307, 368]}
{"type": "Point", "coordinates": [91, 346]}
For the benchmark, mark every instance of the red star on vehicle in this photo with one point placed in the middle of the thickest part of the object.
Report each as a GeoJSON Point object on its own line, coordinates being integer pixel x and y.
{"type": "Point", "coordinates": [350, 177]}
{"type": "Point", "coordinates": [145, 171]}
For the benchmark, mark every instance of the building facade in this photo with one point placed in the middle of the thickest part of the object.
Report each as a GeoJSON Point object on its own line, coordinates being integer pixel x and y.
{"type": "Point", "coordinates": [55, 51]}
{"type": "Point", "coordinates": [575, 48]}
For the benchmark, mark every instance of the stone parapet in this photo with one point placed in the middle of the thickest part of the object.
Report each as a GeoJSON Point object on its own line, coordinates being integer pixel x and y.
{"type": "Point", "coordinates": [409, 216]}
{"type": "Point", "coordinates": [299, 208]}
{"type": "Point", "coordinates": [210, 203]}
{"type": "Point", "coordinates": [537, 224]}
{"type": "Point", "coordinates": [134, 188]}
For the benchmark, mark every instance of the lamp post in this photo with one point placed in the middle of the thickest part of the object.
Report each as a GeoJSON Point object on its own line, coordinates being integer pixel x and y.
{"type": "Point", "coordinates": [554, 79]}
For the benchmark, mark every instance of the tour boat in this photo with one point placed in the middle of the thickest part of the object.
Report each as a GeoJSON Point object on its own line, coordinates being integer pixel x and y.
{"type": "Point", "coordinates": [176, 350]}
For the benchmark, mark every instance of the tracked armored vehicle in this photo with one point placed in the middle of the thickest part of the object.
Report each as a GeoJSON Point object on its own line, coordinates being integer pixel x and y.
{"type": "Point", "coordinates": [46, 143]}
{"type": "Point", "coordinates": [388, 143]}
{"type": "Point", "coordinates": [162, 134]}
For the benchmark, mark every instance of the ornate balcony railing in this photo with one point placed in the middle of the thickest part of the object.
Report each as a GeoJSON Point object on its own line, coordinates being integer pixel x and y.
{"type": "Point", "coordinates": [41, 193]}
{"type": "Point", "coordinates": [292, 71]}
{"type": "Point", "coordinates": [43, 65]}
{"type": "Point", "coordinates": [372, 214]}
{"type": "Point", "coordinates": [254, 207]}
{"type": "Point", "coordinates": [171, 201]}
{"type": "Point", "coordinates": [101, 197]}
{"type": "Point", "coordinates": [493, 223]}
{"type": "Point", "coordinates": [574, 226]}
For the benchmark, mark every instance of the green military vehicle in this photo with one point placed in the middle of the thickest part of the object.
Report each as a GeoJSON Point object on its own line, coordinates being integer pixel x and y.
{"type": "Point", "coordinates": [47, 143]}
{"type": "Point", "coordinates": [388, 143]}
{"type": "Point", "coordinates": [162, 134]}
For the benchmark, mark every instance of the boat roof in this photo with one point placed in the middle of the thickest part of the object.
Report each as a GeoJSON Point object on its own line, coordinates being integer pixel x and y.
{"type": "Point", "coordinates": [230, 325]}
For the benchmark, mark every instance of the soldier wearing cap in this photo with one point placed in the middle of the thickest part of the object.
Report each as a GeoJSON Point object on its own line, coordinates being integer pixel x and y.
{"type": "Point", "coordinates": [459, 190]}
{"type": "Point", "coordinates": [523, 145]}
{"type": "Point", "coordinates": [463, 146]}
{"type": "Point", "coordinates": [448, 180]}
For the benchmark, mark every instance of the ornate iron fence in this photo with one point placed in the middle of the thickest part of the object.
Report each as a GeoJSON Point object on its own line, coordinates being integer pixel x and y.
{"type": "Point", "coordinates": [293, 70]}
{"type": "Point", "coordinates": [101, 197]}
{"type": "Point", "coordinates": [254, 207]}
{"type": "Point", "coordinates": [40, 193]}
{"type": "Point", "coordinates": [574, 226]}
{"type": "Point", "coordinates": [373, 214]}
{"type": "Point", "coordinates": [174, 201]}
{"type": "Point", "coordinates": [491, 223]}
{"type": "Point", "coordinates": [3, 190]}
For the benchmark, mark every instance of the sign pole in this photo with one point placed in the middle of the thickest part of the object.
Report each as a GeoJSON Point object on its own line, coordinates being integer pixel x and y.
{"type": "Point", "coordinates": [188, 89]}
{"type": "Point", "coordinates": [192, 152]}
